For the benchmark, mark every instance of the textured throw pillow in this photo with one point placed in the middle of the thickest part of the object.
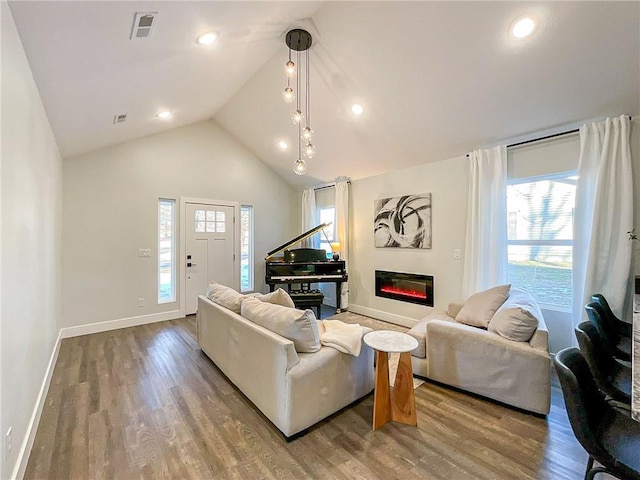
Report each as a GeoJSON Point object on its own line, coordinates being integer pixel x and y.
{"type": "Point", "coordinates": [277, 297]}
{"type": "Point", "coordinates": [517, 318]}
{"type": "Point", "coordinates": [225, 296]}
{"type": "Point", "coordinates": [299, 326]}
{"type": "Point", "coordinates": [480, 307]}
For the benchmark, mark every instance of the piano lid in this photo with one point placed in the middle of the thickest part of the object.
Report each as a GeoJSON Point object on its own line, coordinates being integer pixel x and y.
{"type": "Point", "coordinates": [299, 238]}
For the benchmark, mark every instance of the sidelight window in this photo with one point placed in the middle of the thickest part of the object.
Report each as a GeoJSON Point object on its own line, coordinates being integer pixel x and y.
{"type": "Point", "coordinates": [166, 250]}
{"type": "Point", "coordinates": [246, 248]}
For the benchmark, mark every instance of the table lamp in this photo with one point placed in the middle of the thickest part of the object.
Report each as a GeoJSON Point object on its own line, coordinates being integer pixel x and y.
{"type": "Point", "coordinates": [335, 248]}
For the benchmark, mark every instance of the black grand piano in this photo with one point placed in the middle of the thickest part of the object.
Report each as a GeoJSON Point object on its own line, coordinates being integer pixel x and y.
{"type": "Point", "coordinates": [303, 266]}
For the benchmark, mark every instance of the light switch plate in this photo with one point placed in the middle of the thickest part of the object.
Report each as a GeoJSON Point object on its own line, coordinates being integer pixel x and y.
{"type": "Point", "coordinates": [144, 252]}
{"type": "Point", "coordinates": [456, 253]}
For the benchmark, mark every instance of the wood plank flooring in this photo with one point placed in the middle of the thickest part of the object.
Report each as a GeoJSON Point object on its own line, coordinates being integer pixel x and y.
{"type": "Point", "coordinates": [146, 403]}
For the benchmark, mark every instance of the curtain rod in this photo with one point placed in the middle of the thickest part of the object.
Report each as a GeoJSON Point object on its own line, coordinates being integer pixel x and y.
{"type": "Point", "coordinates": [324, 187]}
{"type": "Point", "coordinates": [330, 185]}
{"type": "Point", "coordinates": [547, 137]}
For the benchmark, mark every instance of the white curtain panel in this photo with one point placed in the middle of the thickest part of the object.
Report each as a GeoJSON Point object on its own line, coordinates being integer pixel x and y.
{"type": "Point", "coordinates": [602, 250]}
{"type": "Point", "coordinates": [342, 225]}
{"type": "Point", "coordinates": [485, 260]}
{"type": "Point", "coordinates": [309, 217]}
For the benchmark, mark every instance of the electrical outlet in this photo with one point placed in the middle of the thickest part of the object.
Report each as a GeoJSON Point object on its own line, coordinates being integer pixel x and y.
{"type": "Point", "coordinates": [8, 443]}
{"type": "Point", "coordinates": [141, 302]}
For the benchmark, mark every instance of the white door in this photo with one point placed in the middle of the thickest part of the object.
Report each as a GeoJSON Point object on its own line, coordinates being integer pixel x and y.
{"type": "Point", "coordinates": [210, 249]}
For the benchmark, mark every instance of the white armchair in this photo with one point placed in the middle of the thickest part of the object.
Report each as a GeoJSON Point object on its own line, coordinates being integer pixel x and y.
{"type": "Point", "coordinates": [484, 362]}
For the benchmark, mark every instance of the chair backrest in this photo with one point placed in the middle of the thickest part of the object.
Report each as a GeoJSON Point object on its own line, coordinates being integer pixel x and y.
{"type": "Point", "coordinates": [594, 349]}
{"type": "Point", "coordinates": [586, 406]}
{"type": "Point", "coordinates": [598, 317]}
{"type": "Point", "coordinates": [604, 305]}
{"type": "Point", "coordinates": [610, 321]}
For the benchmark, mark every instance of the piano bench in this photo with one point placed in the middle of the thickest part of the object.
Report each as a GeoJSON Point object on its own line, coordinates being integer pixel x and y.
{"type": "Point", "coordinates": [308, 299]}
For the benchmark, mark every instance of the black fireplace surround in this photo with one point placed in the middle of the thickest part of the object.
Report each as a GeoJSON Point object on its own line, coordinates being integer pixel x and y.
{"type": "Point", "coordinates": [406, 287]}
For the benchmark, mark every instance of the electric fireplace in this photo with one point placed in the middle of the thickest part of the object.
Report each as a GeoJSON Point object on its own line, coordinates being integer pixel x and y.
{"type": "Point", "coordinates": [406, 287]}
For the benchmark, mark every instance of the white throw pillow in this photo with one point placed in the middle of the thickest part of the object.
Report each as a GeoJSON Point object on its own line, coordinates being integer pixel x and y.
{"type": "Point", "coordinates": [517, 318]}
{"type": "Point", "coordinates": [277, 297]}
{"type": "Point", "coordinates": [225, 296]}
{"type": "Point", "coordinates": [299, 326]}
{"type": "Point", "coordinates": [480, 307]}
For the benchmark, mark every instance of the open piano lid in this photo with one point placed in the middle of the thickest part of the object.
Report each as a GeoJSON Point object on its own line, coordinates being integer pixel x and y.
{"type": "Point", "coordinates": [299, 238]}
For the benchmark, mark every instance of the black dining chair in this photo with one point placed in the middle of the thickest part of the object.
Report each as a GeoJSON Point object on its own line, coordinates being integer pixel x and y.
{"type": "Point", "coordinates": [610, 437]}
{"type": "Point", "coordinates": [617, 333]}
{"type": "Point", "coordinates": [612, 377]}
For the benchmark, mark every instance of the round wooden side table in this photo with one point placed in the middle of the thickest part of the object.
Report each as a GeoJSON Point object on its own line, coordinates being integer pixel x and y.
{"type": "Point", "coordinates": [397, 403]}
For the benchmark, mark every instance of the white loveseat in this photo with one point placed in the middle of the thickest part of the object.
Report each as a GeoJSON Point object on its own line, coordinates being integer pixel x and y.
{"type": "Point", "coordinates": [294, 390]}
{"type": "Point", "coordinates": [484, 362]}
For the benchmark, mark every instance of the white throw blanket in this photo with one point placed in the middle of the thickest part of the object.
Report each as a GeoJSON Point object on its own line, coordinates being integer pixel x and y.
{"type": "Point", "coordinates": [344, 337]}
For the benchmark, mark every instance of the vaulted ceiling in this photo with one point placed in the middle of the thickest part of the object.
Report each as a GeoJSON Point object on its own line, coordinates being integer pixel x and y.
{"type": "Point", "coordinates": [436, 79]}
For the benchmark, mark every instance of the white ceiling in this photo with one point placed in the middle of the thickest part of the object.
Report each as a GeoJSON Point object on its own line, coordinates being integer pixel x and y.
{"type": "Point", "coordinates": [437, 79]}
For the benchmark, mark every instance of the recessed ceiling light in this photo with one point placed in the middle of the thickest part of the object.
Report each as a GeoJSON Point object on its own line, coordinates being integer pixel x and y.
{"type": "Point", "coordinates": [207, 38]}
{"type": "Point", "coordinates": [523, 27]}
{"type": "Point", "coordinates": [164, 115]}
{"type": "Point", "coordinates": [283, 145]}
{"type": "Point", "coordinates": [357, 109]}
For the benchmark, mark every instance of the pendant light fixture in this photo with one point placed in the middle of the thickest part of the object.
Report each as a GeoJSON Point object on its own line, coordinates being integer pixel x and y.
{"type": "Point", "coordinates": [299, 41]}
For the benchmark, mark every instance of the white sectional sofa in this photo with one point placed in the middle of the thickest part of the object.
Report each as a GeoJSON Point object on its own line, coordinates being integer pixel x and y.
{"type": "Point", "coordinates": [292, 389]}
{"type": "Point", "coordinates": [482, 361]}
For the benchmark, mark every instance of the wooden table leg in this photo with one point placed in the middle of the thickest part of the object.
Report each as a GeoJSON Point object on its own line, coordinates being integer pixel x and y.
{"type": "Point", "coordinates": [382, 393]}
{"type": "Point", "coordinates": [403, 399]}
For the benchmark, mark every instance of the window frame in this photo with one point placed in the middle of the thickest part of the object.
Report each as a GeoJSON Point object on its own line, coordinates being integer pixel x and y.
{"type": "Point", "coordinates": [541, 243]}
{"type": "Point", "coordinates": [173, 266]}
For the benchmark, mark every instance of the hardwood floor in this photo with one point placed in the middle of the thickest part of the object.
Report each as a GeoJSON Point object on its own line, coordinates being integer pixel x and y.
{"type": "Point", "coordinates": [145, 402]}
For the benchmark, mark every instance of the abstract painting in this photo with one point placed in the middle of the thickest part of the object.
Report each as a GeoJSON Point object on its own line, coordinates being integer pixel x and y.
{"type": "Point", "coordinates": [403, 222]}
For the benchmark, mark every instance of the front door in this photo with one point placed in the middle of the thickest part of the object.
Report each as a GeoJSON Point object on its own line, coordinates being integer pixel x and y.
{"type": "Point", "coordinates": [210, 249]}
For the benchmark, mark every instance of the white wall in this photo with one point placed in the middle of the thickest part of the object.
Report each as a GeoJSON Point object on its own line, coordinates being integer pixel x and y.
{"type": "Point", "coordinates": [110, 211]}
{"type": "Point", "coordinates": [447, 181]}
{"type": "Point", "coordinates": [31, 189]}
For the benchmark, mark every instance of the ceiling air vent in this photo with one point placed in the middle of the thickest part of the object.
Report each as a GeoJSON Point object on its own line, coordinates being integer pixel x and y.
{"type": "Point", "coordinates": [142, 24]}
{"type": "Point", "coordinates": [119, 118]}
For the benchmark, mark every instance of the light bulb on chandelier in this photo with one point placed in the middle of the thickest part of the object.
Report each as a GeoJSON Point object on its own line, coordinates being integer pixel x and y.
{"type": "Point", "coordinates": [288, 95]}
{"type": "Point", "coordinates": [300, 167]}
{"type": "Point", "coordinates": [290, 69]}
{"type": "Point", "coordinates": [297, 116]}
{"type": "Point", "coordinates": [307, 134]}
{"type": "Point", "coordinates": [309, 150]}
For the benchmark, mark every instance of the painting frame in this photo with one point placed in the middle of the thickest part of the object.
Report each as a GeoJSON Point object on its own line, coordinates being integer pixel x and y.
{"type": "Point", "coordinates": [403, 221]}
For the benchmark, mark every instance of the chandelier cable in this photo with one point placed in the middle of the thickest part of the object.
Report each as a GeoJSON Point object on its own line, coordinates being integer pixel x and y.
{"type": "Point", "coordinates": [298, 105]}
{"type": "Point", "coordinates": [307, 92]}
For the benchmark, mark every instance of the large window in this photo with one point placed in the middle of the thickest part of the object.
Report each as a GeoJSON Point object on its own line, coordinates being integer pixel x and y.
{"type": "Point", "coordinates": [246, 248]}
{"type": "Point", "coordinates": [166, 250]}
{"type": "Point", "coordinates": [540, 237]}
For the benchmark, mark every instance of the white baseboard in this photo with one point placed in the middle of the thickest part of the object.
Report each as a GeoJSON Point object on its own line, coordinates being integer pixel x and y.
{"type": "Point", "coordinates": [384, 316]}
{"type": "Point", "coordinates": [120, 323]}
{"type": "Point", "coordinates": [32, 427]}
